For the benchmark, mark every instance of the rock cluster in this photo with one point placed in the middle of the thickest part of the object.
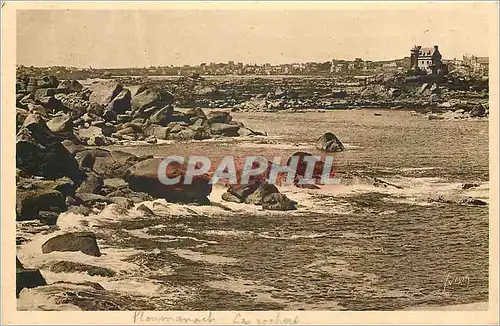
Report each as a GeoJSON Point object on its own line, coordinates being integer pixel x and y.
{"type": "Point", "coordinates": [259, 193]}
{"type": "Point", "coordinates": [105, 113]}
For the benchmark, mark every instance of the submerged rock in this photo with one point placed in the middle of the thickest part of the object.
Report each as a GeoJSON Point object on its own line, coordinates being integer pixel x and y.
{"type": "Point", "coordinates": [73, 267]}
{"type": "Point", "coordinates": [278, 202]}
{"type": "Point", "coordinates": [28, 278]}
{"type": "Point", "coordinates": [76, 241]}
{"type": "Point", "coordinates": [257, 197]}
{"type": "Point", "coordinates": [329, 143]}
{"type": "Point", "coordinates": [143, 176]}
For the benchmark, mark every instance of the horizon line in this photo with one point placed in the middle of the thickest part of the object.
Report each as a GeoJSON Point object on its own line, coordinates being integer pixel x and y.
{"type": "Point", "coordinates": [227, 62]}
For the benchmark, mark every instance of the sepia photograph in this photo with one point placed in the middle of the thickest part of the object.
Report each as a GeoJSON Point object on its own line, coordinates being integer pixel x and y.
{"type": "Point", "coordinates": [265, 157]}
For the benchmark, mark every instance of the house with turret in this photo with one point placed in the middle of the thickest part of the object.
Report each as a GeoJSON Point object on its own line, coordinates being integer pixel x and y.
{"type": "Point", "coordinates": [426, 59]}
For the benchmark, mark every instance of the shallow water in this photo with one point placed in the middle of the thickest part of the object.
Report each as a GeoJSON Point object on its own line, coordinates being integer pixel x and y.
{"type": "Point", "coordinates": [348, 248]}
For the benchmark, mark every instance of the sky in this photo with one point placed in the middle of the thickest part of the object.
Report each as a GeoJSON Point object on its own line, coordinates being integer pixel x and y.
{"type": "Point", "coordinates": [143, 38]}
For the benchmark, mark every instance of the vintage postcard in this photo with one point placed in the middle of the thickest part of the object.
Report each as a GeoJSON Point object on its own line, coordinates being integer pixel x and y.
{"type": "Point", "coordinates": [249, 162]}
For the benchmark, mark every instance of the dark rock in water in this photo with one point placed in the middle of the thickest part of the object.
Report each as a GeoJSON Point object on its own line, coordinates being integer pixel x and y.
{"type": "Point", "coordinates": [18, 263]}
{"type": "Point", "coordinates": [242, 191]}
{"type": "Point", "coordinates": [329, 143]}
{"type": "Point", "coordinates": [73, 267]}
{"type": "Point", "coordinates": [92, 184]}
{"type": "Point", "coordinates": [150, 98]}
{"type": "Point", "coordinates": [28, 278]}
{"type": "Point", "coordinates": [278, 202]}
{"type": "Point", "coordinates": [29, 203]}
{"type": "Point", "coordinates": [456, 200]}
{"type": "Point", "coordinates": [300, 171]}
{"type": "Point", "coordinates": [120, 103]}
{"type": "Point", "coordinates": [143, 176]}
{"type": "Point", "coordinates": [104, 92]}
{"type": "Point", "coordinates": [466, 186]}
{"type": "Point", "coordinates": [473, 202]}
{"type": "Point", "coordinates": [257, 197]}
{"type": "Point", "coordinates": [224, 129]}
{"type": "Point", "coordinates": [219, 117]}
{"type": "Point", "coordinates": [77, 241]}
{"type": "Point", "coordinates": [227, 196]}
{"type": "Point", "coordinates": [48, 218]}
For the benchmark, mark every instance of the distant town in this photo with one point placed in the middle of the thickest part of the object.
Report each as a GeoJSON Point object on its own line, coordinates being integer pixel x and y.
{"type": "Point", "coordinates": [424, 59]}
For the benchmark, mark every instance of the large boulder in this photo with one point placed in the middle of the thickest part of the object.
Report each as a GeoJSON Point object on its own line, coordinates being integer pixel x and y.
{"type": "Point", "coordinates": [278, 202]}
{"type": "Point", "coordinates": [61, 123]}
{"type": "Point", "coordinates": [77, 241]}
{"type": "Point", "coordinates": [219, 117]}
{"type": "Point", "coordinates": [302, 165]}
{"type": "Point", "coordinates": [162, 116]}
{"type": "Point", "coordinates": [242, 191]}
{"type": "Point", "coordinates": [329, 143]}
{"type": "Point", "coordinates": [121, 102]}
{"type": "Point", "coordinates": [92, 184]}
{"type": "Point", "coordinates": [51, 161]}
{"type": "Point", "coordinates": [113, 164]}
{"type": "Point", "coordinates": [30, 202]}
{"type": "Point", "coordinates": [73, 102]}
{"type": "Point", "coordinates": [224, 129]}
{"type": "Point", "coordinates": [104, 92]}
{"type": "Point", "coordinates": [69, 86]}
{"type": "Point", "coordinates": [187, 116]}
{"type": "Point", "coordinates": [92, 135]}
{"type": "Point", "coordinates": [151, 98]}
{"type": "Point", "coordinates": [257, 197]}
{"type": "Point", "coordinates": [143, 177]}
{"type": "Point", "coordinates": [27, 278]}
{"type": "Point", "coordinates": [157, 131]}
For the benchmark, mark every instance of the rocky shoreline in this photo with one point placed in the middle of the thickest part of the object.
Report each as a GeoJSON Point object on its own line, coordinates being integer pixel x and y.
{"type": "Point", "coordinates": [424, 94]}
{"type": "Point", "coordinates": [64, 167]}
